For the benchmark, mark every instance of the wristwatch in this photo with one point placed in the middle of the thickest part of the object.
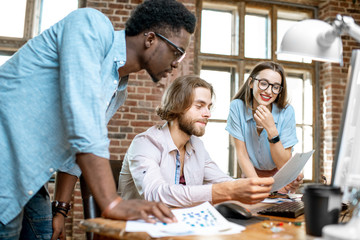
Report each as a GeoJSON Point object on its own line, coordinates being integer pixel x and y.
{"type": "Point", "coordinates": [274, 139]}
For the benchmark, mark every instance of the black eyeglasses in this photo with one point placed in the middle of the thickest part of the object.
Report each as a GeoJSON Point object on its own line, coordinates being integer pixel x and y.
{"type": "Point", "coordinates": [180, 55]}
{"type": "Point", "coordinates": [264, 84]}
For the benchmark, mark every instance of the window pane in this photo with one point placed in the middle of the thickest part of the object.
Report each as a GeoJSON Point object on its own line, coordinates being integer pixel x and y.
{"type": "Point", "coordinates": [308, 138]}
{"type": "Point", "coordinates": [3, 59]}
{"type": "Point", "coordinates": [308, 145]}
{"type": "Point", "coordinates": [300, 94]}
{"type": "Point", "coordinates": [246, 76]}
{"type": "Point", "coordinates": [298, 148]}
{"type": "Point", "coordinates": [12, 18]}
{"type": "Point", "coordinates": [295, 95]}
{"type": "Point", "coordinates": [55, 10]}
{"type": "Point", "coordinates": [221, 82]}
{"type": "Point", "coordinates": [216, 32]}
{"type": "Point", "coordinates": [216, 141]}
{"type": "Point", "coordinates": [308, 97]}
{"type": "Point", "coordinates": [257, 36]}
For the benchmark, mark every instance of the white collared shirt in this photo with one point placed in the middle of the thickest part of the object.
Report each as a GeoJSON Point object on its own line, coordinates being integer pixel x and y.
{"type": "Point", "coordinates": [149, 170]}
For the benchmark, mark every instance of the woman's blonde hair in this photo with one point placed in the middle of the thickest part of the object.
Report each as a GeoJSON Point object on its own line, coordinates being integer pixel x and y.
{"type": "Point", "coordinates": [179, 96]}
{"type": "Point", "coordinates": [246, 93]}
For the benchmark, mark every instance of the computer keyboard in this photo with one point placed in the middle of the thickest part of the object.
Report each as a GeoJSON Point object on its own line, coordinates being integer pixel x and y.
{"type": "Point", "coordinates": [285, 209]}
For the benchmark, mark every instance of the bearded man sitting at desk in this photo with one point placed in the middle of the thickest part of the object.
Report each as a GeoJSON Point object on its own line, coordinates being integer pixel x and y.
{"type": "Point", "coordinates": [169, 163]}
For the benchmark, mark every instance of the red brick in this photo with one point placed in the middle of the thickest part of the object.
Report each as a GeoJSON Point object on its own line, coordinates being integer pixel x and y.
{"type": "Point", "coordinates": [113, 128]}
{"type": "Point", "coordinates": [153, 98]}
{"type": "Point", "coordinates": [129, 116]}
{"type": "Point", "coordinates": [114, 157]}
{"type": "Point", "coordinates": [136, 96]}
{"type": "Point", "coordinates": [96, 5]}
{"type": "Point", "coordinates": [119, 122]}
{"type": "Point", "coordinates": [116, 6]}
{"type": "Point", "coordinates": [143, 90]}
{"type": "Point", "coordinates": [142, 117]}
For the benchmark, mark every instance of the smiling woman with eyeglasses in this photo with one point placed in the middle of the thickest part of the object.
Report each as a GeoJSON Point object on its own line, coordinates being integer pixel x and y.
{"type": "Point", "coordinates": [262, 123]}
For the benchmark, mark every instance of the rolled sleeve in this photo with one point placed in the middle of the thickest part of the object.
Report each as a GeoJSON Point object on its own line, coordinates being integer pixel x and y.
{"type": "Point", "coordinates": [71, 168]}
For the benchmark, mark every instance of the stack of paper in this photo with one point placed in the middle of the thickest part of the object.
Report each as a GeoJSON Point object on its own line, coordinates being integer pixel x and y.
{"type": "Point", "coordinates": [200, 220]}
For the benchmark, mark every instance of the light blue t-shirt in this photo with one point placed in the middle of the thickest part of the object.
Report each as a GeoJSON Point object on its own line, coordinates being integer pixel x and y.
{"type": "Point", "coordinates": [57, 94]}
{"type": "Point", "coordinates": [241, 125]}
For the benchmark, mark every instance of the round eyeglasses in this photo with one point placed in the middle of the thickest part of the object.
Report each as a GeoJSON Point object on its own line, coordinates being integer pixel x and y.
{"type": "Point", "coordinates": [264, 84]}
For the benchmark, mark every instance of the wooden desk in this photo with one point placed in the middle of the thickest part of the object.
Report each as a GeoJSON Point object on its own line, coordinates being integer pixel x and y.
{"type": "Point", "coordinates": [113, 229]}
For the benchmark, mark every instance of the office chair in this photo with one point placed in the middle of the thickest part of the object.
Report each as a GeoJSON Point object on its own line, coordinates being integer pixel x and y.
{"type": "Point", "coordinates": [90, 207]}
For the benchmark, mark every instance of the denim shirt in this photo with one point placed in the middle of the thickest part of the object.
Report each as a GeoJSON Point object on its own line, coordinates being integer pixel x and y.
{"type": "Point", "coordinates": [57, 94]}
{"type": "Point", "coordinates": [241, 125]}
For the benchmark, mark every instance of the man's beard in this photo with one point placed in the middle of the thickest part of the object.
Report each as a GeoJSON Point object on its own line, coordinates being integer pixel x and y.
{"type": "Point", "coordinates": [188, 126]}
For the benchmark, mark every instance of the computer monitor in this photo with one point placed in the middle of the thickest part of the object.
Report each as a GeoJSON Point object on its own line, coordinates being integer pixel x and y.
{"type": "Point", "coordinates": [346, 167]}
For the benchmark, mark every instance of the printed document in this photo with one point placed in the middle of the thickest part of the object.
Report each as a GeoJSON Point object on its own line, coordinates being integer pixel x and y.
{"type": "Point", "coordinates": [203, 219]}
{"type": "Point", "coordinates": [290, 170]}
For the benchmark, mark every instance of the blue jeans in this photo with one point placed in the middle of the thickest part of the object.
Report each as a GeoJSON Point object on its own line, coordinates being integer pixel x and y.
{"type": "Point", "coordinates": [34, 221]}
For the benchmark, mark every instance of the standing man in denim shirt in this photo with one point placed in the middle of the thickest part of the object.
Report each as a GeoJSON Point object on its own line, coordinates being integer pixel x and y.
{"type": "Point", "coordinates": [57, 94]}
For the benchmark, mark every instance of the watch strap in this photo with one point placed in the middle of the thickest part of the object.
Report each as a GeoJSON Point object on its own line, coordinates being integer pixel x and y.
{"type": "Point", "coordinates": [274, 139]}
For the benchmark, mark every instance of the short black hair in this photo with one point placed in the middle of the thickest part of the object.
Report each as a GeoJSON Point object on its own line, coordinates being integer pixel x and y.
{"type": "Point", "coordinates": [160, 16]}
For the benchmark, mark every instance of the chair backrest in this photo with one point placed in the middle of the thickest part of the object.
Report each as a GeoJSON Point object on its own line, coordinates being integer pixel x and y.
{"type": "Point", "coordinates": [91, 209]}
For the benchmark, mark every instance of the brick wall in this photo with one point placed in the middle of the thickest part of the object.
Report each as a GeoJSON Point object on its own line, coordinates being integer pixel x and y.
{"type": "Point", "coordinates": [333, 81]}
{"type": "Point", "coordinates": [137, 114]}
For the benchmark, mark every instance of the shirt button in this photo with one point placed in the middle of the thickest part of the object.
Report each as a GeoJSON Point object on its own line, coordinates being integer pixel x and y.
{"type": "Point", "coordinates": [30, 192]}
{"type": "Point", "coordinates": [107, 103]}
{"type": "Point", "coordinates": [51, 170]}
{"type": "Point", "coordinates": [115, 58]}
{"type": "Point", "coordinates": [115, 82]}
{"type": "Point", "coordinates": [121, 62]}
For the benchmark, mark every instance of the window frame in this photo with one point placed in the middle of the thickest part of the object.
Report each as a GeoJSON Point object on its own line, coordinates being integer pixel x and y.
{"type": "Point", "coordinates": [232, 67]}
{"type": "Point", "coordinates": [9, 45]}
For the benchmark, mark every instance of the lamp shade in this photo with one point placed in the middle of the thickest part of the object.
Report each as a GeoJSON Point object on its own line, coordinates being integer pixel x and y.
{"type": "Point", "coordinates": [304, 39]}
